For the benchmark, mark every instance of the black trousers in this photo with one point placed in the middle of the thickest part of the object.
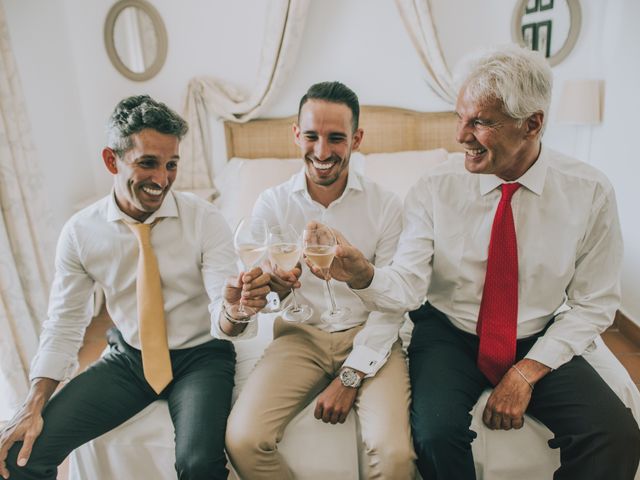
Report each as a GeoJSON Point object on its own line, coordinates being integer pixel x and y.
{"type": "Point", "coordinates": [114, 389]}
{"type": "Point", "coordinates": [597, 435]}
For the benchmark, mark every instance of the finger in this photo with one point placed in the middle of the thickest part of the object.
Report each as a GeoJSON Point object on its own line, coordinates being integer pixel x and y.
{"type": "Point", "coordinates": [496, 421]}
{"type": "Point", "coordinates": [335, 416]}
{"type": "Point", "coordinates": [25, 451]}
{"type": "Point", "coordinates": [318, 410]}
{"type": "Point", "coordinates": [254, 273]}
{"type": "Point", "coordinates": [343, 417]}
{"type": "Point", "coordinates": [517, 423]}
{"type": "Point", "coordinates": [486, 415]}
{"type": "Point", "coordinates": [506, 423]}
{"type": "Point", "coordinates": [256, 293]}
{"type": "Point", "coordinates": [327, 414]}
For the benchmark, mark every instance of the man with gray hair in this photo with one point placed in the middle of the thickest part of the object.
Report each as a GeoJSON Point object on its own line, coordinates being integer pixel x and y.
{"type": "Point", "coordinates": [163, 259]}
{"type": "Point", "coordinates": [517, 250]}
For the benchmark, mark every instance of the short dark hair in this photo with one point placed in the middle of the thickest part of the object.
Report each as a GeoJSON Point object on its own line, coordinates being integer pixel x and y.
{"type": "Point", "coordinates": [136, 113]}
{"type": "Point", "coordinates": [335, 92]}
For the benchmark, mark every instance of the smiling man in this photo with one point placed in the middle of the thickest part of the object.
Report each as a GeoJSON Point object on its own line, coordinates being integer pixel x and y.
{"type": "Point", "coordinates": [162, 259]}
{"type": "Point", "coordinates": [350, 361]}
{"type": "Point", "coordinates": [517, 250]}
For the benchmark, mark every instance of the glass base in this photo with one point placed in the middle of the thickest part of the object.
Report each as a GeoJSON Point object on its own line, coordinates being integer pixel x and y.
{"type": "Point", "coordinates": [301, 313]}
{"type": "Point", "coordinates": [340, 313]}
{"type": "Point", "coordinates": [247, 315]}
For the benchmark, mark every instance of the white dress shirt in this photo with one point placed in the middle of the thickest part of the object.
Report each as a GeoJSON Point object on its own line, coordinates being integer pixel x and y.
{"type": "Point", "coordinates": [371, 219]}
{"type": "Point", "coordinates": [569, 252]}
{"type": "Point", "coordinates": [193, 245]}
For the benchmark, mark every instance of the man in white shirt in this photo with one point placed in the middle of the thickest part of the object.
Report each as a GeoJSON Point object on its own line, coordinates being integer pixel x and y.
{"type": "Point", "coordinates": [542, 267]}
{"type": "Point", "coordinates": [195, 256]}
{"type": "Point", "coordinates": [355, 361]}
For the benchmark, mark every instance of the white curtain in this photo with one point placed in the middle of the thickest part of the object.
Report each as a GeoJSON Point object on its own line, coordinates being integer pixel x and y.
{"type": "Point", "coordinates": [26, 235]}
{"type": "Point", "coordinates": [418, 20]}
{"type": "Point", "coordinates": [207, 96]}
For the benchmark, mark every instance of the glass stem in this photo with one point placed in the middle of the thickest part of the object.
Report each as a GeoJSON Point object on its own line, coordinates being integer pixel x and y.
{"type": "Point", "coordinates": [333, 301]}
{"type": "Point", "coordinates": [296, 308]}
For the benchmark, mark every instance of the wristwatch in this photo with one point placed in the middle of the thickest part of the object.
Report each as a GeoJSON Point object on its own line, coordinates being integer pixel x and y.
{"type": "Point", "coordinates": [350, 378]}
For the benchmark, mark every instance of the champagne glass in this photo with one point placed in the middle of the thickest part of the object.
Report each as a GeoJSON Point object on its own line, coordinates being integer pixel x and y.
{"type": "Point", "coordinates": [250, 242]}
{"type": "Point", "coordinates": [284, 251]}
{"type": "Point", "coordinates": [320, 248]}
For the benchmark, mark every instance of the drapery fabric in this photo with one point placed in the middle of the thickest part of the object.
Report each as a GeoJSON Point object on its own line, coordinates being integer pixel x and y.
{"type": "Point", "coordinates": [208, 96]}
{"type": "Point", "coordinates": [418, 20]}
{"type": "Point", "coordinates": [26, 234]}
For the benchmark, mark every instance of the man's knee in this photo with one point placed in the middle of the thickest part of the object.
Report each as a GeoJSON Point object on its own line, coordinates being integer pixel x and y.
{"type": "Point", "coordinates": [244, 439]}
{"type": "Point", "coordinates": [435, 434]}
{"type": "Point", "coordinates": [204, 465]}
{"type": "Point", "coordinates": [396, 460]}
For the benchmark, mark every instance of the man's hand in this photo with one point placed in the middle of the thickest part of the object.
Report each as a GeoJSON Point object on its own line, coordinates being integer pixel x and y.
{"type": "Point", "coordinates": [250, 289]}
{"type": "Point", "coordinates": [27, 423]}
{"type": "Point", "coordinates": [349, 265]}
{"type": "Point", "coordinates": [510, 398]}
{"type": "Point", "coordinates": [335, 402]}
{"type": "Point", "coordinates": [282, 282]}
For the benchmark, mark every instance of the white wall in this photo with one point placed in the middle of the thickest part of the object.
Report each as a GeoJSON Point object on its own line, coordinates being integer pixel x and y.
{"type": "Point", "coordinates": [64, 68]}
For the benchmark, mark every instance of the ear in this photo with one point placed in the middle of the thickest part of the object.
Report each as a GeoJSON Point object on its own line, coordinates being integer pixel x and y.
{"type": "Point", "coordinates": [109, 158]}
{"type": "Point", "coordinates": [534, 124]}
{"type": "Point", "coordinates": [296, 133]}
{"type": "Point", "coordinates": [357, 139]}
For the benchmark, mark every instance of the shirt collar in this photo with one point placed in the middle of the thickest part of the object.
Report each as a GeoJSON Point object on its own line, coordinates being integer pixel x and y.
{"type": "Point", "coordinates": [169, 208]}
{"type": "Point", "coordinates": [354, 181]}
{"type": "Point", "coordinates": [533, 179]}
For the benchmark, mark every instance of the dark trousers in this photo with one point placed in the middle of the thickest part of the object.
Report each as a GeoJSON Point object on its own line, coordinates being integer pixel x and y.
{"type": "Point", "coordinates": [114, 389]}
{"type": "Point", "coordinates": [597, 435]}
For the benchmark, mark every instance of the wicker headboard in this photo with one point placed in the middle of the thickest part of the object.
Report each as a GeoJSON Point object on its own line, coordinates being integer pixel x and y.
{"type": "Point", "coordinates": [386, 129]}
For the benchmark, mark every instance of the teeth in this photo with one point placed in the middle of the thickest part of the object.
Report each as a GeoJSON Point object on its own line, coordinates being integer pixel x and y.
{"type": "Point", "coordinates": [152, 191]}
{"type": "Point", "coordinates": [322, 166]}
{"type": "Point", "coordinates": [477, 151]}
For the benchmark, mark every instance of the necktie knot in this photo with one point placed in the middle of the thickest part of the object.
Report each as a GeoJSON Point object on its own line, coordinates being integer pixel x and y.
{"type": "Point", "coordinates": [142, 231]}
{"type": "Point", "coordinates": [508, 189]}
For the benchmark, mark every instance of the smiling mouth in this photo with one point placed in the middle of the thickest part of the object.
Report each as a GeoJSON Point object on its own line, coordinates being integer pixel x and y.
{"type": "Point", "coordinates": [475, 152]}
{"type": "Point", "coordinates": [154, 192]}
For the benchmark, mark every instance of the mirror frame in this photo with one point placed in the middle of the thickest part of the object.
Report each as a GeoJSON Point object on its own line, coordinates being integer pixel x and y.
{"type": "Point", "coordinates": [575, 19]}
{"type": "Point", "coordinates": [161, 34]}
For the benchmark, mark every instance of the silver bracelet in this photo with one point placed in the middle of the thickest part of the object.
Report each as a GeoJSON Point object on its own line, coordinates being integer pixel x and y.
{"type": "Point", "coordinates": [522, 375]}
{"type": "Point", "coordinates": [235, 321]}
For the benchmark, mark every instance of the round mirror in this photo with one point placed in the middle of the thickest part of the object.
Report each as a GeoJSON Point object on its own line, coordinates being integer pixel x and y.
{"type": "Point", "coordinates": [136, 39]}
{"type": "Point", "coordinates": [549, 26]}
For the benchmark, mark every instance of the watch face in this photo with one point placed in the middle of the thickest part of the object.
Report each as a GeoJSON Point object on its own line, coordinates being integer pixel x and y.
{"type": "Point", "coordinates": [349, 378]}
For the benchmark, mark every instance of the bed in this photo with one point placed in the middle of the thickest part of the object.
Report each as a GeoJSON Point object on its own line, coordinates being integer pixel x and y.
{"type": "Point", "coordinates": [399, 145]}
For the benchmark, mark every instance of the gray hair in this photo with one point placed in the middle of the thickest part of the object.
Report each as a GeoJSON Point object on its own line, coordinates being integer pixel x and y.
{"type": "Point", "coordinates": [136, 113]}
{"type": "Point", "coordinates": [520, 78]}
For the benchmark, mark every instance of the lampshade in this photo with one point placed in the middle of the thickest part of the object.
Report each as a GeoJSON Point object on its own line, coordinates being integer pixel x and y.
{"type": "Point", "coordinates": [581, 102]}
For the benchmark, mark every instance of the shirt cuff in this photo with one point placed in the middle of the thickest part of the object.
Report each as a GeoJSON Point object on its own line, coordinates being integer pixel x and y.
{"type": "Point", "coordinates": [550, 352]}
{"type": "Point", "coordinates": [249, 332]}
{"type": "Point", "coordinates": [54, 365]}
{"type": "Point", "coordinates": [365, 360]}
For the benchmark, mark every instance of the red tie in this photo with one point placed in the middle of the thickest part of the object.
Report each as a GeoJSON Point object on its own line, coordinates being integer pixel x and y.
{"type": "Point", "coordinates": [498, 318]}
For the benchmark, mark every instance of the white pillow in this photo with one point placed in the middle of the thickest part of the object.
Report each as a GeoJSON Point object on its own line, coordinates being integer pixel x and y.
{"type": "Point", "coordinates": [242, 180]}
{"type": "Point", "coordinates": [398, 171]}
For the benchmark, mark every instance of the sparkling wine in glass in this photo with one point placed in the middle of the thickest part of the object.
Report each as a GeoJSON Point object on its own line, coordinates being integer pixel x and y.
{"type": "Point", "coordinates": [320, 248]}
{"type": "Point", "coordinates": [250, 241]}
{"type": "Point", "coordinates": [285, 250]}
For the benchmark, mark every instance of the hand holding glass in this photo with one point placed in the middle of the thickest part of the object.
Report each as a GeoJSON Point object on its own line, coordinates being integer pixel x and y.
{"type": "Point", "coordinates": [250, 242]}
{"type": "Point", "coordinates": [284, 251]}
{"type": "Point", "coordinates": [320, 248]}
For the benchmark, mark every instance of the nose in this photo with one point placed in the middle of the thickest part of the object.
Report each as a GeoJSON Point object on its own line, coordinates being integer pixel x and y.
{"type": "Point", "coordinates": [160, 177]}
{"type": "Point", "coordinates": [463, 133]}
{"type": "Point", "coordinates": [321, 149]}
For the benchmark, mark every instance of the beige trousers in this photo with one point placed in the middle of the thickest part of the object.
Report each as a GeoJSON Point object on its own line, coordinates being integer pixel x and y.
{"type": "Point", "coordinates": [300, 362]}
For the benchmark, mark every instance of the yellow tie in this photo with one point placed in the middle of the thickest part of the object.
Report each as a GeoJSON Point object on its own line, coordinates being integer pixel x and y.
{"type": "Point", "coordinates": [156, 362]}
